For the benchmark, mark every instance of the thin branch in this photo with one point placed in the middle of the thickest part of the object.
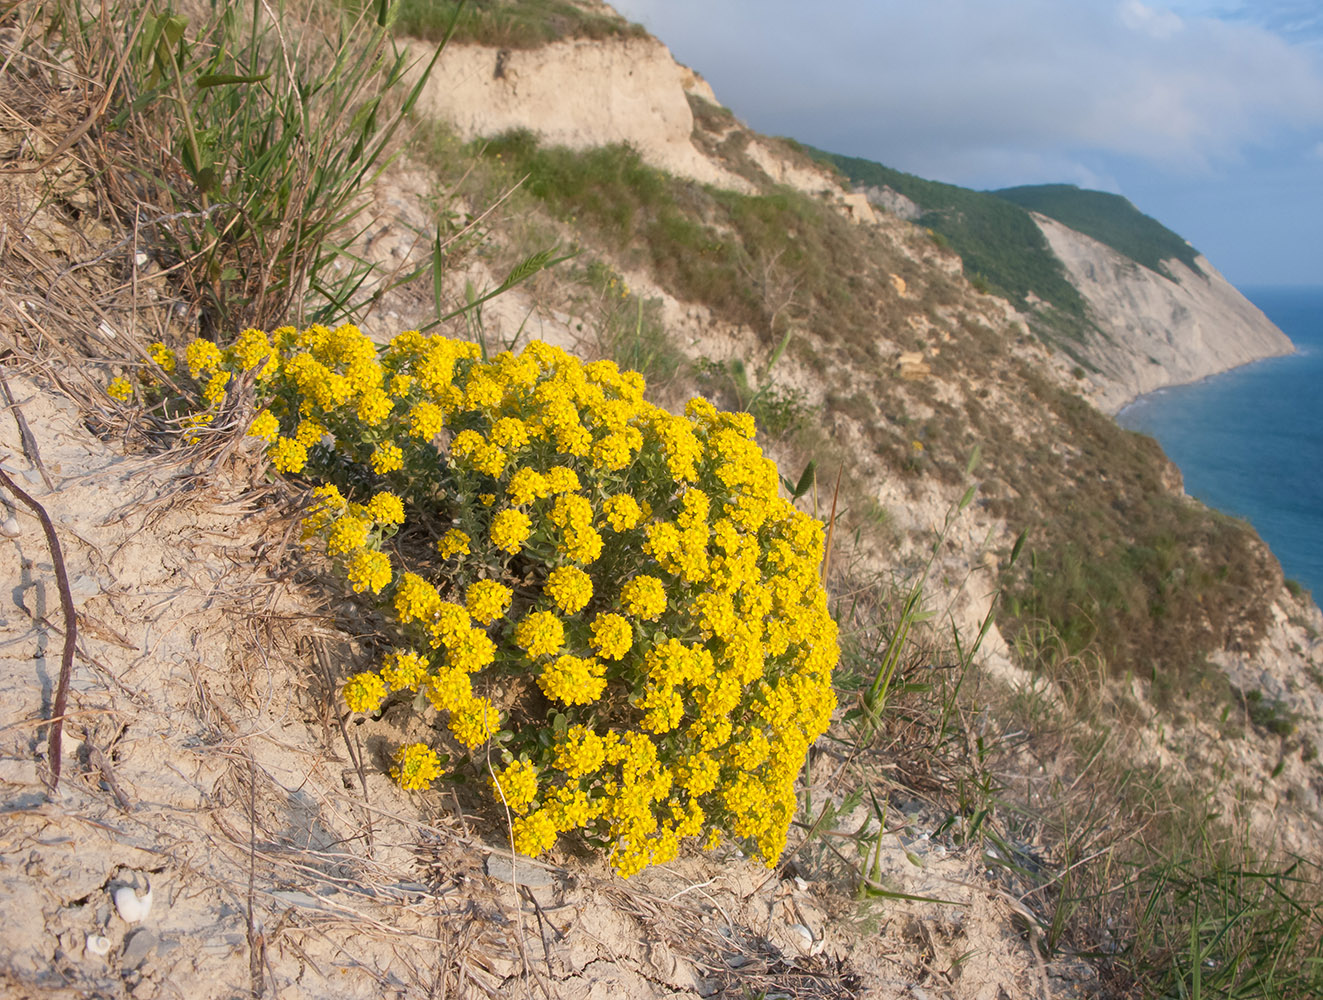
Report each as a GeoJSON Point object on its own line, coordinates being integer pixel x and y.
{"type": "Point", "coordinates": [70, 627]}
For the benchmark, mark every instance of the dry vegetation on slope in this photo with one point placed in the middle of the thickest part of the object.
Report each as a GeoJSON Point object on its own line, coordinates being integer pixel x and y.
{"type": "Point", "coordinates": [207, 749]}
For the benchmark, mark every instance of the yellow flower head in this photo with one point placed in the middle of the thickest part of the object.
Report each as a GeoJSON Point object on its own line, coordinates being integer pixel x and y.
{"type": "Point", "coordinates": [570, 588]}
{"type": "Point", "coordinates": [202, 356]}
{"type": "Point", "coordinates": [416, 767]}
{"type": "Point", "coordinates": [644, 596]}
{"type": "Point", "coordinates": [510, 529]}
{"type": "Point", "coordinates": [453, 543]}
{"type": "Point", "coordinates": [369, 571]}
{"type": "Point", "coordinates": [364, 692]}
{"type": "Point", "coordinates": [580, 752]}
{"type": "Point", "coordinates": [386, 508]}
{"type": "Point", "coordinates": [540, 633]}
{"type": "Point", "coordinates": [516, 784]}
{"type": "Point", "coordinates": [573, 680]}
{"type": "Point", "coordinates": [487, 600]}
{"type": "Point", "coordinates": [404, 671]}
{"type": "Point", "coordinates": [387, 458]}
{"type": "Point", "coordinates": [475, 722]}
{"type": "Point", "coordinates": [265, 426]}
{"type": "Point", "coordinates": [120, 389]}
{"type": "Point", "coordinates": [163, 356]}
{"type": "Point", "coordinates": [622, 512]}
{"type": "Point", "coordinates": [287, 455]}
{"type": "Point", "coordinates": [612, 637]}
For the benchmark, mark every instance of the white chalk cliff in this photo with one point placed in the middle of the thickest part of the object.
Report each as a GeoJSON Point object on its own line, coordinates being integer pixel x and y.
{"type": "Point", "coordinates": [1157, 330]}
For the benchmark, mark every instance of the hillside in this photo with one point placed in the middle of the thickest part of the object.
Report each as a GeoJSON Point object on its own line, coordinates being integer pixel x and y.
{"type": "Point", "coordinates": [998, 243]}
{"type": "Point", "coordinates": [1132, 302]}
{"type": "Point", "coordinates": [1076, 747]}
{"type": "Point", "coordinates": [1109, 219]}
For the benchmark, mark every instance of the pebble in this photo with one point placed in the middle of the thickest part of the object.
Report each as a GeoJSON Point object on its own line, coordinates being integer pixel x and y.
{"type": "Point", "coordinates": [527, 873]}
{"type": "Point", "coordinates": [137, 946]}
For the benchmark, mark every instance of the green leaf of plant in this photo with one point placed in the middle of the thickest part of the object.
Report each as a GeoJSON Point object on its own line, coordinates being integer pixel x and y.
{"type": "Point", "coordinates": [806, 480]}
{"type": "Point", "coordinates": [1019, 544]}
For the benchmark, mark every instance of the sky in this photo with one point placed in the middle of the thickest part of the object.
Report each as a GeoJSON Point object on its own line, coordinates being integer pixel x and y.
{"type": "Point", "coordinates": [1207, 114]}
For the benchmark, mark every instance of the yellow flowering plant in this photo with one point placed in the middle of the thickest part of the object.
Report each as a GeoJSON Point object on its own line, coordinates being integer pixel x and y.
{"type": "Point", "coordinates": [609, 607]}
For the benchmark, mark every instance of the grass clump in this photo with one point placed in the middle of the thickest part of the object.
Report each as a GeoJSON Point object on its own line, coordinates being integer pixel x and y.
{"type": "Point", "coordinates": [259, 142]}
{"type": "Point", "coordinates": [610, 609]}
{"type": "Point", "coordinates": [508, 24]}
{"type": "Point", "coordinates": [769, 261]}
{"type": "Point", "coordinates": [622, 326]}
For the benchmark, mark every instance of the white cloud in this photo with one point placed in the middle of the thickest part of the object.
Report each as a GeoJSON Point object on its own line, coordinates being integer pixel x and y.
{"type": "Point", "coordinates": [955, 84]}
{"type": "Point", "coordinates": [1156, 23]}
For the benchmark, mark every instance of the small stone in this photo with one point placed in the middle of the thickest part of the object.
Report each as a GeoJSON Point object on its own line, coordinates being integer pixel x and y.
{"type": "Point", "coordinates": [137, 946]}
{"type": "Point", "coordinates": [520, 872]}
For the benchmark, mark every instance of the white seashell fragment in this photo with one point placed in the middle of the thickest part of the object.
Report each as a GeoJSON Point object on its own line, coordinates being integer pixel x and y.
{"type": "Point", "coordinates": [97, 944]}
{"type": "Point", "coordinates": [130, 906]}
{"type": "Point", "coordinates": [9, 527]}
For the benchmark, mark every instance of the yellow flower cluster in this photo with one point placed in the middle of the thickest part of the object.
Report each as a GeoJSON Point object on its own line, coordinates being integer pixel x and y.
{"type": "Point", "coordinates": [634, 572]}
{"type": "Point", "coordinates": [120, 389]}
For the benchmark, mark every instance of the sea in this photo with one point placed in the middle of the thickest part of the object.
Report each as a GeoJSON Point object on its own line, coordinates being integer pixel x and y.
{"type": "Point", "coordinates": [1250, 441]}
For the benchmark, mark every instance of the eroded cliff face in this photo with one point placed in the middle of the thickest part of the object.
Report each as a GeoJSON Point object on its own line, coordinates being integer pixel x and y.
{"type": "Point", "coordinates": [1157, 330]}
{"type": "Point", "coordinates": [578, 93]}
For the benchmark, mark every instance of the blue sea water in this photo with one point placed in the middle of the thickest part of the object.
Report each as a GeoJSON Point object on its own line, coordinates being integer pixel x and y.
{"type": "Point", "coordinates": [1250, 442]}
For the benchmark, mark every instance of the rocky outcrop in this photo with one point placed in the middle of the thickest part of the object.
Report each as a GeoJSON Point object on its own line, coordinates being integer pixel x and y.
{"type": "Point", "coordinates": [578, 93]}
{"type": "Point", "coordinates": [584, 94]}
{"type": "Point", "coordinates": [1155, 330]}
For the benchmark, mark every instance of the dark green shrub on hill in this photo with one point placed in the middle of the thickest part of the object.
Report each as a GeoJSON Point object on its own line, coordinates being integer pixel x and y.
{"type": "Point", "coordinates": [1109, 219]}
{"type": "Point", "coordinates": [998, 242]}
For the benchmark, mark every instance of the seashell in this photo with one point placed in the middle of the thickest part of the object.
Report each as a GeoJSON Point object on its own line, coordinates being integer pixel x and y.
{"type": "Point", "coordinates": [9, 527]}
{"type": "Point", "coordinates": [131, 907]}
{"type": "Point", "coordinates": [97, 944]}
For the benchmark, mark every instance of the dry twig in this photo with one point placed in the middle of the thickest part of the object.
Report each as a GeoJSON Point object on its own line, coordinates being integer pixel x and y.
{"type": "Point", "coordinates": [70, 626]}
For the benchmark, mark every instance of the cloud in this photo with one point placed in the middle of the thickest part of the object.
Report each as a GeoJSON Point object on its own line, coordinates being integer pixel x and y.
{"type": "Point", "coordinates": [1159, 24]}
{"type": "Point", "coordinates": [952, 87]}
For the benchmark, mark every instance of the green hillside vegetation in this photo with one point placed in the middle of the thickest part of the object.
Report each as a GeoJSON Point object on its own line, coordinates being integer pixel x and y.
{"type": "Point", "coordinates": [1119, 565]}
{"type": "Point", "coordinates": [1109, 219]}
{"type": "Point", "coordinates": [998, 241]}
{"type": "Point", "coordinates": [760, 260]}
{"type": "Point", "coordinates": [525, 24]}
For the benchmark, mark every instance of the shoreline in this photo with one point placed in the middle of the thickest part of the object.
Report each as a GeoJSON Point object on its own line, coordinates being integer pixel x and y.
{"type": "Point", "coordinates": [1132, 400]}
{"type": "Point", "coordinates": [1248, 448]}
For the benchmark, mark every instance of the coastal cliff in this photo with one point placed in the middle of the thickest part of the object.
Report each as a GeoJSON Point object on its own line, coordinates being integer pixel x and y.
{"type": "Point", "coordinates": [1153, 330]}
{"type": "Point", "coordinates": [1066, 686]}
